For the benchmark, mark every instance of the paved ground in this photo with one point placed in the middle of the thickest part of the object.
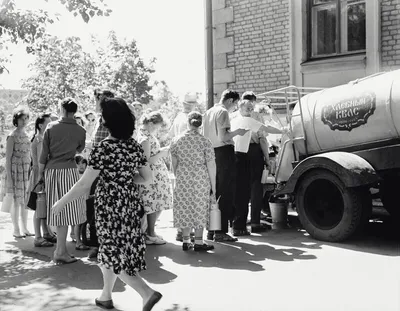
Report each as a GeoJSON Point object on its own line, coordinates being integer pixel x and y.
{"type": "Point", "coordinates": [279, 270]}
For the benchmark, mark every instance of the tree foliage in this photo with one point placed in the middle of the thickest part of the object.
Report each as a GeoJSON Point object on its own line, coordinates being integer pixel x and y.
{"type": "Point", "coordinates": [62, 68]}
{"type": "Point", "coordinates": [27, 26]}
{"type": "Point", "coordinates": [121, 68]}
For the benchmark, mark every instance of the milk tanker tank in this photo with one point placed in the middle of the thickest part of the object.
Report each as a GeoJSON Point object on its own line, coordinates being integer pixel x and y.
{"type": "Point", "coordinates": [344, 141]}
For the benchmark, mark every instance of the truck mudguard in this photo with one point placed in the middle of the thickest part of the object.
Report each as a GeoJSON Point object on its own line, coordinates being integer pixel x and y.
{"type": "Point", "coordinates": [352, 170]}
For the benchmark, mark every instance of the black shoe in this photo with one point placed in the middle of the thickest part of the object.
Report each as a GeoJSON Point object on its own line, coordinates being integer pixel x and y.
{"type": "Point", "coordinates": [203, 247]}
{"type": "Point", "coordinates": [260, 228]}
{"type": "Point", "coordinates": [187, 246]}
{"type": "Point", "coordinates": [179, 236]}
{"type": "Point", "coordinates": [210, 236]}
{"type": "Point", "coordinates": [108, 304]}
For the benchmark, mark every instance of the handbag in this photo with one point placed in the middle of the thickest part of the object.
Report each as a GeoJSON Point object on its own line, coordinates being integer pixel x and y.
{"type": "Point", "coordinates": [8, 202]}
{"type": "Point", "coordinates": [265, 173]}
{"type": "Point", "coordinates": [33, 198]}
{"type": "Point", "coordinates": [215, 216]}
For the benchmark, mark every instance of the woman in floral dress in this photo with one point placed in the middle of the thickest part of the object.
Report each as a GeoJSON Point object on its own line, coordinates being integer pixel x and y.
{"type": "Point", "coordinates": [156, 196]}
{"type": "Point", "coordinates": [193, 162]}
{"type": "Point", "coordinates": [119, 163]}
{"type": "Point", "coordinates": [16, 177]}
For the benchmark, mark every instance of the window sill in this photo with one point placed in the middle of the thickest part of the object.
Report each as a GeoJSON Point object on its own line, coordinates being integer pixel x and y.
{"type": "Point", "coordinates": [336, 63]}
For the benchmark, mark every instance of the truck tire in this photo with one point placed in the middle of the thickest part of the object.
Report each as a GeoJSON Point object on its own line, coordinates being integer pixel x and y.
{"type": "Point", "coordinates": [327, 209]}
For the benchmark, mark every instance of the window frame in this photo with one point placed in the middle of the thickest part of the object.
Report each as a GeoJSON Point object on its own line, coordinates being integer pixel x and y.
{"type": "Point", "coordinates": [339, 33]}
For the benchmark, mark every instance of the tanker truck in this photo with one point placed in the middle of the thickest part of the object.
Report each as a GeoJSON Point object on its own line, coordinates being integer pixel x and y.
{"type": "Point", "coordinates": [342, 142]}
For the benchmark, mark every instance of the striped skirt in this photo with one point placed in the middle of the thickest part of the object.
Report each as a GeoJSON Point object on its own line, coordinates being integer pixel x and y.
{"type": "Point", "coordinates": [57, 183]}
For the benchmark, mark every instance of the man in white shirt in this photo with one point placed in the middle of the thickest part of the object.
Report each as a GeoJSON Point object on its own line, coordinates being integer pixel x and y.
{"type": "Point", "coordinates": [180, 124]}
{"type": "Point", "coordinates": [217, 128]}
{"type": "Point", "coordinates": [251, 151]}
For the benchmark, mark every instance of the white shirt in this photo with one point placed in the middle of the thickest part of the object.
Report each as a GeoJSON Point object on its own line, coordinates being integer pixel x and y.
{"type": "Point", "coordinates": [179, 126]}
{"type": "Point", "coordinates": [242, 143]}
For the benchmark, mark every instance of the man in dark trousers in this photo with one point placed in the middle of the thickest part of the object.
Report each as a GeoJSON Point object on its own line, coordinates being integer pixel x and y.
{"type": "Point", "coordinates": [217, 128]}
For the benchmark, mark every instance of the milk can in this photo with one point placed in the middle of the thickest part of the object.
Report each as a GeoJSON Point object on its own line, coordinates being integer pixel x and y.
{"type": "Point", "coordinates": [41, 207]}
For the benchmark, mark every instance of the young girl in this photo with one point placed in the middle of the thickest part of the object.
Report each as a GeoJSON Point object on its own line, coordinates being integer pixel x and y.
{"type": "Point", "coordinates": [16, 179]}
{"type": "Point", "coordinates": [36, 149]}
{"type": "Point", "coordinates": [81, 164]}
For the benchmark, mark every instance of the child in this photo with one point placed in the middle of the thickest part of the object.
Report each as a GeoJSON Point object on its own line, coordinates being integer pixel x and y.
{"type": "Point", "coordinates": [75, 235]}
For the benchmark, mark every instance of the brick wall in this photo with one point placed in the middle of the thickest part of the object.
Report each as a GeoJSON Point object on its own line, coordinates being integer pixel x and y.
{"type": "Point", "coordinates": [390, 33]}
{"type": "Point", "coordinates": [260, 32]}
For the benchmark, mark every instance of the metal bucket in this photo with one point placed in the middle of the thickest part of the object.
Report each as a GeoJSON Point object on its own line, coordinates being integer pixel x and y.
{"type": "Point", "coordinates": [279, 213]}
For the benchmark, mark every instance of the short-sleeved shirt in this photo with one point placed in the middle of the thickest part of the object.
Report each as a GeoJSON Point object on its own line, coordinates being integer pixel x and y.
{"type": "Point", "coordinates": [100, 133]}
{"type": "Point", "coordinates": [216, 119]}
{"type": "Point", "coordinates": [242, 142]}
{"type": "Point", "coordinates": [179, 126]}
{"type": "Point", "coordinates": [62, 140]}
{"type": "Point", "coordinates": [255, 136]}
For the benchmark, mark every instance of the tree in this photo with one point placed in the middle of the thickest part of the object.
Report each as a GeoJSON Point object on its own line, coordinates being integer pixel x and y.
{"type": "Point", "coordinates": [27, 26]}
{"type": "Point", "coordinates": [121, 68]}
{"type": "Point", "coordinates": [62, 69]}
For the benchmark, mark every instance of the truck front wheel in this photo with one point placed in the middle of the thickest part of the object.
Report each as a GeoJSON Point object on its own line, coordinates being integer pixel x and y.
{"type": "Point", "coordinates": [327, 209]}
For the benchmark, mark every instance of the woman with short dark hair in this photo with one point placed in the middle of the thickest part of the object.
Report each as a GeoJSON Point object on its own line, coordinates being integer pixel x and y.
{"type": "Point", "coordinates": [119, 163]}
{"type": "Point", "coordinates": [62, 140]}
{"type": "Point", "coordinates": [16, 178]}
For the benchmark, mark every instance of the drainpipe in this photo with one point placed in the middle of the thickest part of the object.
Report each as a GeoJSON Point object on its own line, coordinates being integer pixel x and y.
{"type": "Point", "coordinates": [209, 54]}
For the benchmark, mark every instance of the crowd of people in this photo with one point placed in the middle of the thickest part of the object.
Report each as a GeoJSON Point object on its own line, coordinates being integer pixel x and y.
{"type": "Point", "coordinates": [107, 167]}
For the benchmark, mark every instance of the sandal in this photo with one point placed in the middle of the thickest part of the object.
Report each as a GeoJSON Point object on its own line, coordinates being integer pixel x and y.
{"type": "Point", "coordinates": [237, 232]}
{"type": "Point", "coordinates": [223, 237]}
{"type": "Point", "coordinates": [50, 238]}
{"type": "Point", "coordinates": [62, 261]}
{"type": "Point", "coordinates": [82, 247]}
{"type": "Point", "coordinates": [42, 243]}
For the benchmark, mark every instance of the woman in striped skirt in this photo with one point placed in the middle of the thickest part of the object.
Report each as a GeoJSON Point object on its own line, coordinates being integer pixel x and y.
{"type": "Point", "coordinates": [62, 140]}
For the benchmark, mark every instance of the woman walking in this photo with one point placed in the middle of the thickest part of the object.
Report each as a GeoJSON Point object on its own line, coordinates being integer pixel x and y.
{"type": "Point", "coordinates": [39, 224]}
{"type": "Point", "coordinates": [193, 163]}
{"type": "Point", "coordinates": [156, 196]}
{"type": "Point", "coordinates": [62, 140]}
{"type": "Point", "coordinates": [120, 164]}
{"type": "Point", "coordinates": [16, 179]}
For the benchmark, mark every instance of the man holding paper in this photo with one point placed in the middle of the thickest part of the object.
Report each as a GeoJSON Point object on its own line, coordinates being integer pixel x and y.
{"type": "Point", "coordinates": [249, 165]}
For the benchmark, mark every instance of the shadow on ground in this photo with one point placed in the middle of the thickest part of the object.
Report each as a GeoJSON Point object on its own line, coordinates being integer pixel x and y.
{"type": "Point", "coordinates": [380, 236]}
{"type": "Point", "coordinates": [22, 267]}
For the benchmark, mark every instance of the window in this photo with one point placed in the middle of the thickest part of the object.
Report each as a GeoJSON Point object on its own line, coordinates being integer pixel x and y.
{"type": "Point", "coordinates": [336, 27]}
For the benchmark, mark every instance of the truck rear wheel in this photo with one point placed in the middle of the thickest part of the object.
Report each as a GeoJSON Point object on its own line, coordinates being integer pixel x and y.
{"type": "Point", "coordinates": [327, 209]}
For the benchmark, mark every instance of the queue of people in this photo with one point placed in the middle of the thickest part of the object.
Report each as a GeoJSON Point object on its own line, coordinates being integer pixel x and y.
{"type": "Point", "coordinates": [216, 157]}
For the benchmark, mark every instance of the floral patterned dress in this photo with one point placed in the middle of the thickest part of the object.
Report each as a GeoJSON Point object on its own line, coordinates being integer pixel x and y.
{"type": "Point", "coordinates": [192, 190]}
{"type": "Point", "coordinates": [118, 206]}
{"type": "Point", "coordinates": [20, 168]}
{"type": "Point", "coordinates": [157, 195]}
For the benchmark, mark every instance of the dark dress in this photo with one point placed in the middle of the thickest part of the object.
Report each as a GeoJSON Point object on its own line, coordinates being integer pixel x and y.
{"type": "Point", "coordinates": [118, 206]}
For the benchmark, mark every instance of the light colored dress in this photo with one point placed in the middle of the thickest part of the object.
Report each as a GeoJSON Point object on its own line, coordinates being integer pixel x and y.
{"type": "Point", "coordinates": [20, 168]}
{"type": "Point", "coordinates": [192, 190]}
{"type": "Point", "coordinates": [157, 195]}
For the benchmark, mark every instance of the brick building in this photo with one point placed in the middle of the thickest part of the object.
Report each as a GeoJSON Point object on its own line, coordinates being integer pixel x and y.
{"type": "Point", "coordinates": [262, 45]}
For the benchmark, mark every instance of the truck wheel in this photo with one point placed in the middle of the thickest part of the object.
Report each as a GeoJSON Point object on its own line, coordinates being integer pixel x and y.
{"type": "Point", "coordinates": [327, 209]}
{"type": "Point", "coordinates": [388, 191]}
